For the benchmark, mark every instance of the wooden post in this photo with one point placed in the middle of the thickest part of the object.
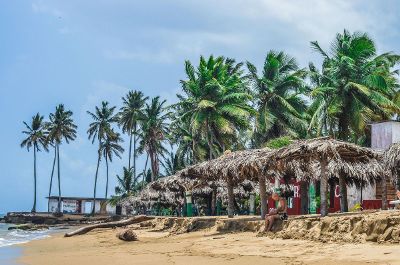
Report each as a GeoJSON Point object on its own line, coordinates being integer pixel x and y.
{"type": "Point", "coordinates": [324, 187]}
{"type": "Point", "coordinates": [343, 194]}
{"type": "Point", "coordinates": [384, 193]}
{"type": "Point", "coordinates": [230, 198]}
{"type": "Point", "coordinates": [213, 201]}
{"type": "Point", "coordinates": [263, 196]}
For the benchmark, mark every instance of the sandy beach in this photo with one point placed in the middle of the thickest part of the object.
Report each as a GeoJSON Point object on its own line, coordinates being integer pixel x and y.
{"type": "Point", "coordinates": [101, 247]}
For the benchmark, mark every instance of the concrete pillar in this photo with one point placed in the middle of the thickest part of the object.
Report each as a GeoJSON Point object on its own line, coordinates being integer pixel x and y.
{"type": "Point", "coordinates": [252, 202]}
{"type": "Point", "coordinates": [189, 204]}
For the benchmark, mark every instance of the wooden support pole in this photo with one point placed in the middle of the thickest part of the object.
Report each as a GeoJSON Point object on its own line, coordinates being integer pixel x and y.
{"type": "Point", "coordinates": [324, 187]}
{"type": "Point", "coordinates": [263, 196]}
{"type": "Point", "coordinates": [230, 198]}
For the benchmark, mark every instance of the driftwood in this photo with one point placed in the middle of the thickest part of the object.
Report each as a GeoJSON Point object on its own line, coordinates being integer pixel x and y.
{"type": "Point", "coordinates": [132, 220]}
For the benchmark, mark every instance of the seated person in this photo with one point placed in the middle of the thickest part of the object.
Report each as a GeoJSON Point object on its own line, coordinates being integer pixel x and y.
{"type": "Point", "coordinates": [280, 212]}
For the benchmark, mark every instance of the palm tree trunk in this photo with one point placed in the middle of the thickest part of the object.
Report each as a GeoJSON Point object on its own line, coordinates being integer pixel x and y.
{"type": "Point", "coordinates": [51, 178]}
{"type": "Point", "coordinates": [59, 179]}
{"type": "Point", "coordinates": [263, 196]}
{"type": "Point", "coordinates": [95, 186]}
{"type": "Point", "coordinates": [153, 165]}
{"type": "Point", "coordinates": [209, 142]}
{"type": "Point", "coordinates": [130, 150]}
{"type": "Point", "coordinates": [230, 198]}
{"type": "Point", "coordinates": [134, 155]}
{"type": "Point", "coordinates": [107, 177]}
{"type": "Point", "coordinates": [324, 187]}
{"type": "Point", "coordinates": [34, 179]}
{"type": "Point", "coordinates": [343, 194]}
{"type": "Point", "coordinates": [144, 171]}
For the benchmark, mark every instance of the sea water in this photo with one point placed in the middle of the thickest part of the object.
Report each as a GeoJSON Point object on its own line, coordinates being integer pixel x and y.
{"type": "Point", "coordinates": [13, 237]}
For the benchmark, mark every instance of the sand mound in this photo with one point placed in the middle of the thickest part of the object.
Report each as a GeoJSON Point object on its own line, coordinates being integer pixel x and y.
{"type": "Point", "coordinates": [375, 227]}
{"type": "Point", "coordinates": [351, 228]}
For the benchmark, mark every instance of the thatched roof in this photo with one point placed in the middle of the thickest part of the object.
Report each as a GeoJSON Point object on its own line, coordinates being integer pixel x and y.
{"type": "Point", "coordinates": [392, 161]}
{"type": "Point", "coordinates": [302, 159]}
{"type": "Point", "coordinates": [238, 165]}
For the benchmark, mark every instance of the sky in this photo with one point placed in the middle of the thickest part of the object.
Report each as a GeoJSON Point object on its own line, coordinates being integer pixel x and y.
{"type": "Point", "coordinates": [80, 53]}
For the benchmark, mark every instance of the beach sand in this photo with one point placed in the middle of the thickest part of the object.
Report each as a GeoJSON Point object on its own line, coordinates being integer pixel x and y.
{"type": "Point", "coordinates": [101, 247]}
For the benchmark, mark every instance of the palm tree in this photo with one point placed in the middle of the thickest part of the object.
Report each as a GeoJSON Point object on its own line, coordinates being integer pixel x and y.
{"type": "Point", "coordinates": [126, 186]}
{"type": "Point", "coordinates": [109, 148]}
{"type": "Point", "coordinates": [153, 133]}
{"type": "Point", "coordinates": [52, 172]}
{"type": "Point", "coordinates": [215, 104]}
{"type": "Point", "coordinates": [36, 138]}
{"type": "Point", "coordinates": [354, 88]}
{"type": "Point", "coordinates": [99, 130]}
{"type": "Point", "coordinates": [61, 127]}
{"type": "Point", "coordinates": [358, 86]}
{"type": "Point", "coordinates": [278, 92]}
{"type": "Point", "coordinates": [130, 116]}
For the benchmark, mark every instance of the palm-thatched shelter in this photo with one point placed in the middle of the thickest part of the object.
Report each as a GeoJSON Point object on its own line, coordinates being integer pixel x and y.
{"type": "Point", "coordinates": [233, 168]}
{"type": "Point", "coordinates": [392, 163]}
{"type": "Point", "coordinates": [324, 158]}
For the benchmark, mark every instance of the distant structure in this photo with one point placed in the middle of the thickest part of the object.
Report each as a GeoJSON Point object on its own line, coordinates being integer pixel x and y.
{"type": "Point", "coordinates": [82, 205]}
{"type": "Point", "coordinates": [383, 134]}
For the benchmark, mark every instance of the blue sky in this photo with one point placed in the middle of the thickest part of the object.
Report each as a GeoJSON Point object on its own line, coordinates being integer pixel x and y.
{"type": "Point", "coordinates": [82, 52]}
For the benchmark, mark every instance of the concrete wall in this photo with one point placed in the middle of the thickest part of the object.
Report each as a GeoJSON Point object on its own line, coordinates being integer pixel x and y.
{"type": "Point", "coordinates": [86, 207]}
{"type": "Point", "coordinates": [384, 134]}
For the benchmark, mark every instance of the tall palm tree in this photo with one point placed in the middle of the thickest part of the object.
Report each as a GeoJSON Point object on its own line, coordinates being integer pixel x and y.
{"type": "Point", "coordinates": [36, 138]}
{"type": "Point", "coordinates": [215, 103]}
{"type": "Point", "coordinates": [130, 115]}
{"type": "Point", "coordinates": [153, 133]}
{"type": "Point", "coordinates": [61, 127]}
{"type": "Point", "coordinates": [278, 98]}
{"type": "Point", "coordinates": [358, 86]}
{"type": "Point", "coordinates": [100, 129]}
{"type": "Point", "coordinates": [355, 87]}
{"type": "Point", "coordinates": [109, 148]}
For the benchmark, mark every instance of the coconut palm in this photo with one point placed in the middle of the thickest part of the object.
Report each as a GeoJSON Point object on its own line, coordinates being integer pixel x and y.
{"type": "Point", "coordinates": [125, 187]}
{"type": "Point", "coordinates": [355, 87]}
{"type": "Point", "coordinates": [278, 98]}
{"type": "Point", "coordinates": [215, 103]}
{"type": "Point", "coordinates": [36, 138]}
{"type": "Point", "coordinates": [110, 147]}
{"type": "Point", "coordinates": [60, 127]}
{"type": "Point", "coordinates": [153, 133]}
{"type": "Point", "coordinates": [358, 86]}
{"type": "Point", "coordinates": [130, 115]}
{"type": "Point", "coordinates": [99, 130]}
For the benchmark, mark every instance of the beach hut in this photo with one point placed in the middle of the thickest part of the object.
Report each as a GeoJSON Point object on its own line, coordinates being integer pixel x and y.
{"type": "Point", "coordinates": [233, 168]}
{"type": "Point", "coordinates": [324, 158]}
{"type": "Point", "coordinates": [392, 163]}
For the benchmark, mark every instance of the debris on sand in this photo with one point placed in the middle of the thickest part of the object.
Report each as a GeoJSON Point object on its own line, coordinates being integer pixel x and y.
{"type": "Point", "coordinates": [127, 235]}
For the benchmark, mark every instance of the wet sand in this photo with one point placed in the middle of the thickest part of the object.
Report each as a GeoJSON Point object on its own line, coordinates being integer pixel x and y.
{"type": "Point", "coordinates": [101, 247]}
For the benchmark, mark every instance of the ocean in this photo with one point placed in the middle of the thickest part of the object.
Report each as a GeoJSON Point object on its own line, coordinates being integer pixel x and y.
{"type": "Point", "coordinates": [13, 237]}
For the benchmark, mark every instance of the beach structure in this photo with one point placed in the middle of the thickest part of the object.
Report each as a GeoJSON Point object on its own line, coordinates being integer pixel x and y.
{"type": "Point", "coordinates": [83, 205]}
{"type": "Point", "coordinates": [316, 171]}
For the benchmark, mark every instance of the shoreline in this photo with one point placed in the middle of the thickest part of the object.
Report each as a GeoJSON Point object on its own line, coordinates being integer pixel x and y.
{"type": "Point", "coordinates": [155, 246]}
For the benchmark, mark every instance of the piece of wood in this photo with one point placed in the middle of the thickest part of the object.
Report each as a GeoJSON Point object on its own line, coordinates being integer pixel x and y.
{"type": "Point", "coordinates": [129, 221]}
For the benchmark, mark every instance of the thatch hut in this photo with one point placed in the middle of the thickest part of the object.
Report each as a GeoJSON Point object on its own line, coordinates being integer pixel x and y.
{"type": "Point", "coordinates": [324, 158]}
{"type": "Point", "coordinates": [392, 163]}
{"type": "Point", "coordinates": [233, 168]}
